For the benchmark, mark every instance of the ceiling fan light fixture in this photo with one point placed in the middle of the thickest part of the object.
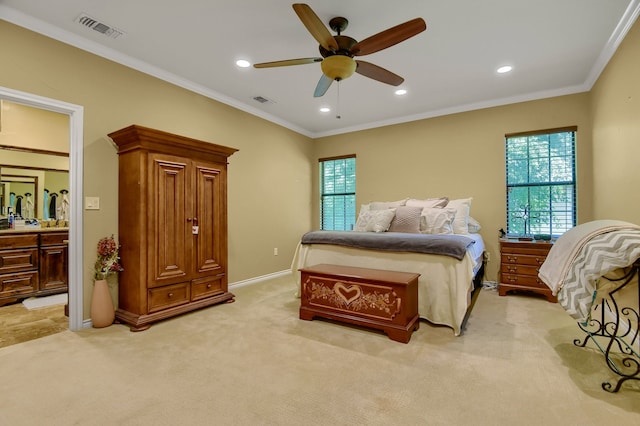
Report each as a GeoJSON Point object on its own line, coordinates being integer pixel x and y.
{"type": "Point", "coordinates": [338, 67]}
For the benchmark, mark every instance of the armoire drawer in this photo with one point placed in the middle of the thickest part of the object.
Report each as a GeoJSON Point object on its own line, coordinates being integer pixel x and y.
{"type": "Point", "coordinates": [161, 298]}
{"type": "Point", "coordinates": [206, 287]}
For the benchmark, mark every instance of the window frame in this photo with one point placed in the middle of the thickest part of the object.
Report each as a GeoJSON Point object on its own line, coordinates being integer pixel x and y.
{"type": "Point", "coordinates": [348, 224]}
{"type": "Point", "coordinates": [551, 161]}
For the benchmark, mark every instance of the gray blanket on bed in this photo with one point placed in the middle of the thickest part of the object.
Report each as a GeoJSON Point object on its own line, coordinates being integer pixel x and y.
{"type": "Point", "coordinates": [446, 244]}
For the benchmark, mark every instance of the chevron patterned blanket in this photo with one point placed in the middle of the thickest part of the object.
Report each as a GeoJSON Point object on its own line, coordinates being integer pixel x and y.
{"type": "Point", "coordinates": [583, 255]}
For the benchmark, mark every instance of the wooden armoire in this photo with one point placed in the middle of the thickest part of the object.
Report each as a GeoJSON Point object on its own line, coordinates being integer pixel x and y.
{"type": "Point", "coordinates": [172, 225]}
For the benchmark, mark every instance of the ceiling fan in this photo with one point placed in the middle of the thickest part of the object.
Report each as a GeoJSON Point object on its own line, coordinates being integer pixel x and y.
{"type": "Point", "coordinates": [337, 52]}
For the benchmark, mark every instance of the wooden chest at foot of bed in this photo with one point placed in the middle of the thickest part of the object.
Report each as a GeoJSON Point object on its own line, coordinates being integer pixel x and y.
{"type": "Point", "coordinates": [384, 300]}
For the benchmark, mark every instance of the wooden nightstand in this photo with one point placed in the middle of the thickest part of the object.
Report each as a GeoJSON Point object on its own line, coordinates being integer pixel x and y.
{"type": "Point", "coordinates": [519, 264]}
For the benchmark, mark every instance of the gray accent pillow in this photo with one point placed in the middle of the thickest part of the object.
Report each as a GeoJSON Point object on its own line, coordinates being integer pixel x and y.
{"type": "Point", "coordinates": [407, 219]}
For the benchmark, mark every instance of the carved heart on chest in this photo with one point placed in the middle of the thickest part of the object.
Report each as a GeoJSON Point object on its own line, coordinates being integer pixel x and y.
{"type": "Point", "coordinates": [348, 294]}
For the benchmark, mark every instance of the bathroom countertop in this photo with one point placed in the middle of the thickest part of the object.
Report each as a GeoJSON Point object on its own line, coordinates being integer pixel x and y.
{"type": "Point", "coordinates": [30, 229]}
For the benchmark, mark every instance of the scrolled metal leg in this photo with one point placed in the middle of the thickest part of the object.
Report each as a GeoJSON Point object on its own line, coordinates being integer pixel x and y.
{"type": "Point", "coordinates": [619, 333]}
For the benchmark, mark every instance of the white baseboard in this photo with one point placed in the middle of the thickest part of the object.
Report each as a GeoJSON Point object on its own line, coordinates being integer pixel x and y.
{"type": "Point", "coordinates": [256, 280]}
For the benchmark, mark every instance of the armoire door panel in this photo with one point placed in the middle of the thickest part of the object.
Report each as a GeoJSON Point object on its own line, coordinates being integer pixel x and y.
{"type": "Point", "coordinates": [209, 182]}
{"type": "Point", "coordinates": [171, 258]}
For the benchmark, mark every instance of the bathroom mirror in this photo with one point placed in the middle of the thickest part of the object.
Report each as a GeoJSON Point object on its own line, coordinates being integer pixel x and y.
{"type": "Point", "coordinates": [34, 184]}
{"type": "Point", "coordinates": [21, 198]}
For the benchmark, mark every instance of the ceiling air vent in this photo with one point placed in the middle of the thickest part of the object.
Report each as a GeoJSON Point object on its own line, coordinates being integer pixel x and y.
{"type": "Point", "coordinates": [104, 29]}
{"type": "Point", "coordinates": [262, 100]}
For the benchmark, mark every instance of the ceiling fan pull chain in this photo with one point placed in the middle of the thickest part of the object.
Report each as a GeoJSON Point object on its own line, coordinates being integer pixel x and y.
{"type": "Point", "coordinates": [338, 102]}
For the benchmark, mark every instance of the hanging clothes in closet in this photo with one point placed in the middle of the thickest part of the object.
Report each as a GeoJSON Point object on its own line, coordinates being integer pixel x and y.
{"type": "Point", "coordinates": [45, 213]}
{"type": "Point", "coordinates": [12, 201]}
{"type": "Point", "coordinates": [52, 205]}
{"type": "Point", "coordinates": [64, 205]}
{"type": "Point", "coordinates": [19, 206]}
{"type": "Point", "coordinates": [28, 206]}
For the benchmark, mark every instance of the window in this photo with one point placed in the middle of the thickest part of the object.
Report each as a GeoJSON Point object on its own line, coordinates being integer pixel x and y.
{"type": "Point", "coordinates": [338, 193]}
{"type": "Point", "coordinates": [541, 182]}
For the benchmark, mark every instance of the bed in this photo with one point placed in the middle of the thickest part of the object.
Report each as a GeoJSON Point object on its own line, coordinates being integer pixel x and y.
{"type": "Point", "coordinates": [593, 269]}
{"type": "Point", "coordinates": [449, 281]}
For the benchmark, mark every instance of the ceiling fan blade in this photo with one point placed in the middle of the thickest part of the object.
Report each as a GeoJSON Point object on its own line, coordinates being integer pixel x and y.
{"type": "Point", "coordinates": [323, 86]}
{"type": "Point", "coordinates": [315, 26]}
{"type": "Point", "coordinates": [378, 73]}
{"type": "Point", "coordinates": [287, 62]}
{"type": "Point", "coordinates": [388, 38]}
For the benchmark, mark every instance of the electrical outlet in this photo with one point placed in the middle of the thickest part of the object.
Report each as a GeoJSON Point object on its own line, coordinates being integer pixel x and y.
{"type": "Point", "coordinates": [487, 256]}
{"type": "Point", "coordinates": [275, 251]}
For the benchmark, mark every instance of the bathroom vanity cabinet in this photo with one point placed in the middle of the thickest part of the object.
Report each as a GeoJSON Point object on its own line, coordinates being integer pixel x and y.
{"type": "Point", "coordinates": [33, 262]}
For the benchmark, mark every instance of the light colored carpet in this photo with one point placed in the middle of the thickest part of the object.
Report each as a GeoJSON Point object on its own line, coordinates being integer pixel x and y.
{"type": "Point", "coordinates": [253, 362]}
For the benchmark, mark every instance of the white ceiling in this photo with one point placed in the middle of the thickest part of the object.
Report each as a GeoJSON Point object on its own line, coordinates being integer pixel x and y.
{"type": "Point", "coordinates": [556, 47]}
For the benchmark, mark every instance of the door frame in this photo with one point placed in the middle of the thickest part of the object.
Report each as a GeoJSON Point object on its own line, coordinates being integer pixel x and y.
{"type": "Point", "coordinates": [76, 144]}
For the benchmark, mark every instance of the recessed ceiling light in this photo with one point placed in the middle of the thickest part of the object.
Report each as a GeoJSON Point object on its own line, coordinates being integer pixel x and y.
{"type": "Point", "coordinates": [243, 63]}
{"type": "Point", "coordinates": [504, 69]}
{"type": "Point", "coordinates": [325, 109]}
{"type": "Point", "coordinates": [401, 92]}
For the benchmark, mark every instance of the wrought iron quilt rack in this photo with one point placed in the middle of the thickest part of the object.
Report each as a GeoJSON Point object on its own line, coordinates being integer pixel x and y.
{"type": "Point", "coordinates": [615, 332]}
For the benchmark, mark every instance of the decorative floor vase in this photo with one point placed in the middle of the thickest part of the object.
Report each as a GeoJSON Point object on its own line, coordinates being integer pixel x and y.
{"type": "Point", "coordinates": [102, 310]}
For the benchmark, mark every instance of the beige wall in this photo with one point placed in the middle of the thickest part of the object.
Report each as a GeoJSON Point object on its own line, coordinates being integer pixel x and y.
{"type": "Point", "coordinates": [459, 156]}
{"type": "Point", "coordinates": [26, 127]}
{"type": "Point", "coordinates": [268, 177]}
{"type": "Point", "coordinates": [616, 134]}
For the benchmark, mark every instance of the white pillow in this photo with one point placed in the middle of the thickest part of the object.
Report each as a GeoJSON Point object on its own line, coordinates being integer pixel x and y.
{"type": "Point", "coordinates": [474, 226]}
{"type": "Point", "coordinates": [461, 221]}
{"type": "Point", "coordinates": [364, 208]}
{"type": "Point", "coordinates": [381, 205]}
{"type": "Point", "coordinates": [375, 220]}
{"type": "Point", "coordinates": [437, 220]}
{"type": "Point", "coordinates": [429, 202]}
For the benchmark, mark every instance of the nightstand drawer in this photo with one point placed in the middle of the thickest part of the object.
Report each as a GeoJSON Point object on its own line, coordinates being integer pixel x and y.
{"type": "Point", "coordinates": [524, 280]}
{"type": "Point", "coordinates": [519, 269]}
{"type": "Point", "coordinates": [522, 259]}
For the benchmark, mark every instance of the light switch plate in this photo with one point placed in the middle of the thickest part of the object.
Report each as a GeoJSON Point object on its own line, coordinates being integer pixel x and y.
{"type": "Point", "coordinates": [92, 203]}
